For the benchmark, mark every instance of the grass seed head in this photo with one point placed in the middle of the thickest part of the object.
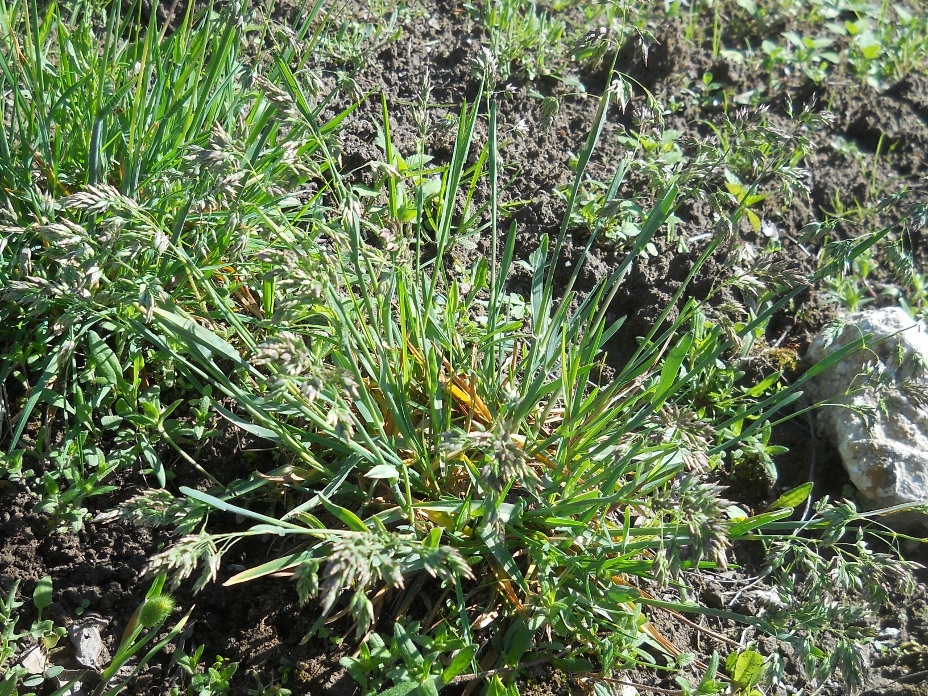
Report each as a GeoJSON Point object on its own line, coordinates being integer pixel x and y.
{"type": "Point", "coordinates": [99, 199]}
{"type": "Point", "coordinates": [181, 560]}
{"type": "Point", "coordinates": [155, 610]}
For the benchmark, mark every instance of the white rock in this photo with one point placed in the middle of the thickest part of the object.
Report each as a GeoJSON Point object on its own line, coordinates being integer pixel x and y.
{"type": "Point", "coordinates": [89, 649]}
{"type": "Point", "coordinates": [35, 660]}
{"type": "Point", "coordinates": [888, 459]}
{"type": "Point", "coordinates": [889, 633]}
{"type": "Point", "coordinates": [70, 684]}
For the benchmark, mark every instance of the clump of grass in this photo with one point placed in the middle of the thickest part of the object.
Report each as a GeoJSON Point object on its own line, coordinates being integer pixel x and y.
{"type": "Point", "coordinates": [525, 38]}
{"type": "Point", "coordinates": [451, 469]}
{"type": "Point", "coordinates": [116, 152]}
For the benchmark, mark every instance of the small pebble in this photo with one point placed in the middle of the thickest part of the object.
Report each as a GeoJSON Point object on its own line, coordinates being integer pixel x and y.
{"type": "Point", "coordinates": [77, 687]}
{"type": "Point", "coordinates": [88, 643]}
{"type": "Point", "coordinates": [34, 661]}
{"type": "Point", "coordinates": [890, 633]}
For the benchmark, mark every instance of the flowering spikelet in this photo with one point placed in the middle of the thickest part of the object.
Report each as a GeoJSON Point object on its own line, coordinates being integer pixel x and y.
{"type": "Point", "coordinates": [358, 560]}
{"type": "Point", "coordinates": [286, 352]}
{"type": "Point", "coordinates": [180, 560]}
{"type": "Point", "coordinates": [684, 425]}
{"type": "Point", "coordinates": [485, 65]}
{"type": "Point", "coordinates": [218, 156]}
{"type": "Point", "coordinates": [550, 107]}
{"type": "Point", "coordinates": [100, 198]}
{"type": "Point", "coordinates": [277, 97]}
{"type": "Point", "coordinates": [504, 459]}
{"type": "Point", "coordinates": [301, 277]}
{"type": "Point", "coordinates": [155, 610]}
{"type": "Point", "coordinates": [290, 362]}
{"type": "Point", "coordinates": [157, 508]}
{"type": "Point", "coordinates": [699, 508]}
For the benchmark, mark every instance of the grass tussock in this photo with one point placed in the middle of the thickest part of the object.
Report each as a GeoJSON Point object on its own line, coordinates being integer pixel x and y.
{"type": "Point", "coordinates": [450, 465]}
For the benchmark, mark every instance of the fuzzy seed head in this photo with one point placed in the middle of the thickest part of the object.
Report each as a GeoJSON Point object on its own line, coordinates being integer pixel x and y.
{"type": "Point", "coordinates": [155, 610]}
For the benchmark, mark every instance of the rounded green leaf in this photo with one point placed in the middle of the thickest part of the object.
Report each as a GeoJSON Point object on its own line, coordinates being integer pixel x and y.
{"type": "Point", "coordinates": [42, 596]}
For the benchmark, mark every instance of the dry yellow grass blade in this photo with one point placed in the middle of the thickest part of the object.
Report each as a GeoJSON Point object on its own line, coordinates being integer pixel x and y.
{"type": "Point", "coordinates": [466, 398]}
{"type": "Point", "coordinates": [462, 390]}
{"type": "Point", "coordinates": [508, 591]}
{"type": "Point", "coordinates": [464, 393]}
{"type": "Point", "coordinates": [521, 441]}
{"type": "Point", "coordinates": [289, 477]}
{"type": "Point", "coordinates": [240, 292]}
{"type": "Point", "coordinates": [438, 518]}
{"type": "Point", "coordinates": [248, 301]}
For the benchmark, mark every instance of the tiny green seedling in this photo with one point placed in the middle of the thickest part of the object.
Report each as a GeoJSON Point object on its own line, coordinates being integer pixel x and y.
{"type": "Point", "coordinates": [24, 656]}
{"type": "Point", "coordinates": [211, 681]}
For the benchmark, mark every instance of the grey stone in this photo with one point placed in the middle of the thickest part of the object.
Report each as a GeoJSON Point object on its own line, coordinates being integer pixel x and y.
{"type": "Point", "coordinates": [71, 684]}
{"type": "Point", "coordinates": [889, 633]}
{"type": "Point", "coordinates": [89, 649]}
{"type": "Point", "coordinates": [878, 422]}
{"type": "Point", "coordinates": [35, 660]}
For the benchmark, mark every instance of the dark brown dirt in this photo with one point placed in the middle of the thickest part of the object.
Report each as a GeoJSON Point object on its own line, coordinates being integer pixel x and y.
{"type": "Point", "coordinates": [261, 625]}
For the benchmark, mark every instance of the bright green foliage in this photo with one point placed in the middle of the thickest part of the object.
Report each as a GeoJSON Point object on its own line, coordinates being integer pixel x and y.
{"type": "Point", "coordinates": [149, 145]}
{"type": "Point", "coordinates": [410, 660]}
{"type": "Point", "coordinates": [878, 42]}
{"type": "Point", "coordinates": [212, 681]}
{"type": "Point", "coordinates": [525, 39]}
{"type": "Point", "coordinates": [42, 637]}
{"type": "Point", "coordinates": [746, 670]}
